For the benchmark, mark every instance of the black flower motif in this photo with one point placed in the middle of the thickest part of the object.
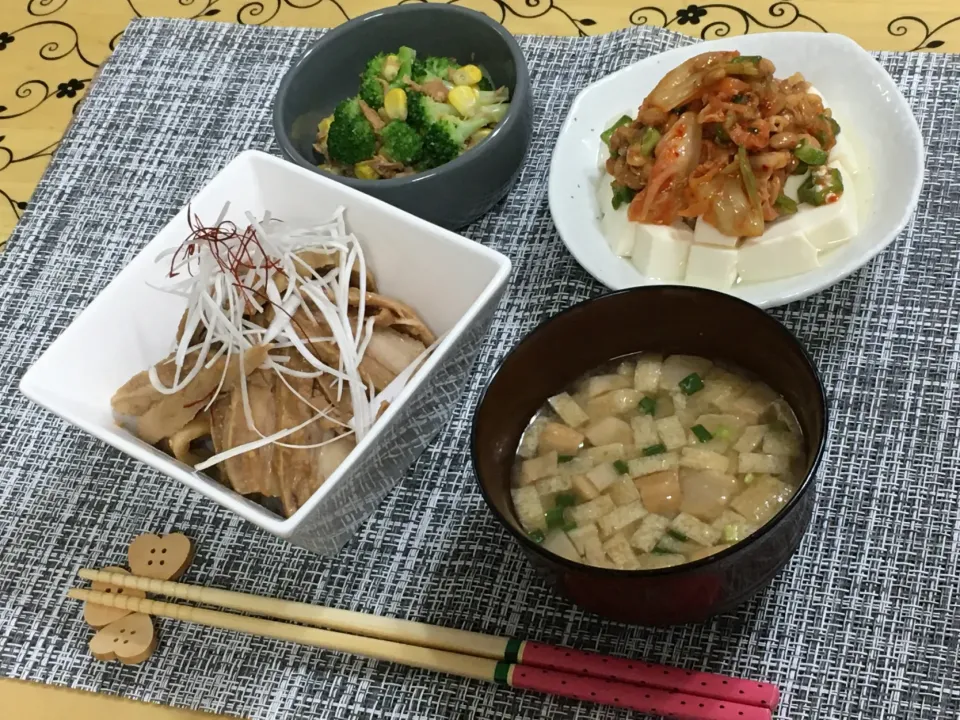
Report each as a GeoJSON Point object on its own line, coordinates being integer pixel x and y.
{"type": "Point", "coordinates": [5, 39]}
{"type": "Point", "coordinates": [690, 14]}
{"type": "Point", "coordinates": [70, 88]}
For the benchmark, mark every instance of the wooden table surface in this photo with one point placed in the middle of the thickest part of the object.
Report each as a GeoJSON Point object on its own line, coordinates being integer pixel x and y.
{"type": "Point", "coordinates": [50, 50]}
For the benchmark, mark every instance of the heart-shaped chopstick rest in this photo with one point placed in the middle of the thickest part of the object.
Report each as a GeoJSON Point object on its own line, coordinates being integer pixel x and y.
{"type": "Point", "coordinates": [164, 557]}
{"type": "Point", "coordinates": [130, 640]}
{"type": "Point", "coordinates": [98, 616]}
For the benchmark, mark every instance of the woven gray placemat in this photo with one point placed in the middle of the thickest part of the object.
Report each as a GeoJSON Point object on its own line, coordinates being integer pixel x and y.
{"type": "Point", "coordinates": [863, 622]}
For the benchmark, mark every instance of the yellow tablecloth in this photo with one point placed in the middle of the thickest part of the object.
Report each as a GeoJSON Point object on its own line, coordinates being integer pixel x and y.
{"type": "Point", "coordinates": [50, 49]}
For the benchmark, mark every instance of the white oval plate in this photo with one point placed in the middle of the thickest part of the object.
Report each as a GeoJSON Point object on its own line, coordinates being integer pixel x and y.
{"type": "Point", "coordinates": [864, 98]}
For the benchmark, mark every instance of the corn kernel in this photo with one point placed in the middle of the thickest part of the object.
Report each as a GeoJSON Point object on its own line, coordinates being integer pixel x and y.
{"type": "Point", "coordinates": [391, 66]}
{"type": "Point", "coordinates": [395, 104]}
{"type": "Point", "coordinates": [323, 127]}
{"type": "Point", "coordinates": [480, 135]}
{"type": "Point", "coordinates": [364, 171]}
{"type": "Point", "coordinates": [466, 75]}
{"type": "Point", "coordinates": [464, 99]}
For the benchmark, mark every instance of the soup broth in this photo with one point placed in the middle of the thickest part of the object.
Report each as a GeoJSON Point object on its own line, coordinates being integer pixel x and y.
{"type": "Point", "coordinates": [651, 462]}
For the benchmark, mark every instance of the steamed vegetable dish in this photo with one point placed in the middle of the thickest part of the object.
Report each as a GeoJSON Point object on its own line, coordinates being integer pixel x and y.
{"type": "Point", "coordinates": [284, 358]}
{"type": "Point", "coordinates": [411, 114]}
{"type": "Point", "coordinates": [727, 174]}
{"type": "Point", "coordinates": [653, 462]}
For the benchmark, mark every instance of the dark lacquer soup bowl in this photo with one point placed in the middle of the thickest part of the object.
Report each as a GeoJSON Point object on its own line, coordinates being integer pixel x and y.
{"type": "Point", "coordinates": [667, 320]}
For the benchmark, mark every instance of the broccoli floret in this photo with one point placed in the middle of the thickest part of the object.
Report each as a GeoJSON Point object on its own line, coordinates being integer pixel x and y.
{"type": "Point", "coordinates": [433, 67]}
{"type": "Point", "coordinates": [351, 137]}
{"type": "Point", "coordinates": [401, 142]}
{"type": "Point", "coordinates": [444, 139]}
{"type": "Point", "coordinates": [493, 97]}
{"type": "Point", "coordinates": [485, 84]}
{"type": "Point", "coordinates": [407, 57]}
{"type": "Point", "coordinates": [422, 110]}
{"type": "Point", "coordinates": [371, 84]}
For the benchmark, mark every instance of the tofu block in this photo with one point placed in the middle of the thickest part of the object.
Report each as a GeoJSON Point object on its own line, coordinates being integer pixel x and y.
{"type": "Point", "coordinates": [646, 375]}
{"type": "Point", "coordinates": [655, 463]}
{"type": "Point", "coordinates": [677, 367]}
{"type": "Point", "coordinates": [550, 486]}
{"type": "Point", "coordinates": [530, 442]}
{"type": "Point", "coordinates": [719, 386]}
{"type": "Point", "coordinates": [724, 427]}
{"type": "Point", "coordinates": [626, 369]}
{"type": "Point", "coordinates": [594, 553]}
{"type": "Point", "coordinates": [606, 453]}
{"type": "Point", "coordinates": [712, 267]}
{"type": "Point", "coordinates": [604, 194]}
{"type": "Point", "coordinates": [603, 476]}
{"type": "Point", "coordinates": [609, 431]}
{"type": "Point", "coordinates": [733, 526]}
{"type": "Point", "coordinates": [706, 234]}
{"type": "Point", "coordinates": [671, 432]}
{"type": "Point", "coordinates": [644, 431]}
{"type": "Point", "coordinates": [827, 226]}
{"type": "Point", "coordinates": [843, 155]}
{"type": "Point", "coordinates": [660, 492]}
{"type": "Point", "coordinates": [538, 467]}
{"type": "Point", "coordinates": [530, 512]}
{"type": "Point", "coordinates": [691, 528]}
{"type": "Point", "coordinates": [751, 438]}
{"type": "Point", "coordinates": [602, 384]}
{"type": "Point", "coordinates": [660, 251]}
{"type": "Point", "coordinates": [762, 499]}
{"type": "Point", "coordinates": [620, 552]}
{"type": "Point", "coordinates": [583, 488]}
{"type": "Point", "coordinates": [648, 534]}
{"type": "Point", "coordinates": [700, 459]}
{"type": "Point", "coordinates": [589, 512]}
{"type": "Point", "coordinates": [755, 401]}
{"type": "Point", "coordinates": [615, 402]}
{"type": "Point", "coordinates": [760, 463]}
{"type": "Point", "coordinates": [620, 518]}
{"type": "Point", "coordinates": [619, 232]}
{"type": "Point", "coordinates": [577, 466]}
{"type": "Point", "coordinates": [773, 257]}
{"type": "Point", "coordinates": [558, 543]}
{"type": "Point", "coordinates": [568, 410]}
{"type": "Point", "coordinates": [580, 536]}
{"type": "Point", "coordinates": [624, 491]}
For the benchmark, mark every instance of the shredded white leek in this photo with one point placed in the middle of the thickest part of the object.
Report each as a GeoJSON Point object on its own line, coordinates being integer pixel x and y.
{"type": "Point", "coordinates": [223, 278]}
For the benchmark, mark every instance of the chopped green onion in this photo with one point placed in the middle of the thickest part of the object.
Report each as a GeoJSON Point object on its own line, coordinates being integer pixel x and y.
{"type": "Point", "coordinates": [661, 551]}
{"type": "Point", "coordinates": [621, 467]}
{"type": "Point", "coordinates": [677, 535]}
{"type": "Point", "coordinates": [834, 125]}
{"type": "Point", "coordinates": [723, 432]}
{"type": "Point", "coordinates": [810, 155]}
{"type": "Point", "coordinates": [555, 517]}
{"type": "Point", "coordinates": [571, 525]}
{"type": "Point", "coordinates": [749, 179]}
{"type": "Point", "coordinates": [800, 169]}
{"type": "Point", "coordinates": [622, 195]}
{"type": "Point", "coordinates": [748, 478]}
{"type": "Point", "coordinates": [608, 133]}
{"type": "Point", "coordinates": [731, 534]}
{"type": "Point", "coordinates": [564, 458]}
{"type": "Point", "coordinates": [691, 384]}
{"type": "Point", "coordinates": [648, 405]}
{"type": "Point", "coordinates": [739, 99]}
{"type": "Point", "coordinates": [565, 500]}
{"type": "Point", "coordinates": [822, 187]}
{"type": "Point", "coordinates": [485, 84]}
{"type": "Point", "coordinates": [785, 205]}
{"type": "Point", "coordinates": [721, 135]}
{"type": "Point", "coordinates": [536, 536]}
{"type": "Point", "coordinates": [747, 59]}
{"type": "Point", "coordinates": [703, 435]}
{"type": "Point", "coordinates": [657, 449]}
{"type": "Point", "coordinates": [649, 140]}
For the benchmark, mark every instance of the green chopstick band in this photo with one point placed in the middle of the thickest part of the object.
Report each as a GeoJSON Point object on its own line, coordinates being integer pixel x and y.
{"type": "Point", "coordinates": [501, 672]}
{"type": "Point", "coordinates": [512, 653]}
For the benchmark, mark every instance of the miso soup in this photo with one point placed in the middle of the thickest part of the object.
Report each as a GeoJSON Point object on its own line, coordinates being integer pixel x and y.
{"type": "Point", "coordinates": [651, 462]}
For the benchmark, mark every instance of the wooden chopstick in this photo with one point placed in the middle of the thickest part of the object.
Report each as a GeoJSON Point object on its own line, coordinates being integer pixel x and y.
{"type": "Point", "coordinates": [681, 706]}
{"type": "Point", "coordinates": [527, 653]}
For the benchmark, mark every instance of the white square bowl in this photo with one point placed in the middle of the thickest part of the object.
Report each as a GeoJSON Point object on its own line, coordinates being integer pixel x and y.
{"type": "Point", "coordinates": [453, 283]}
{"type": "Point", "coordinates": [866, 101]}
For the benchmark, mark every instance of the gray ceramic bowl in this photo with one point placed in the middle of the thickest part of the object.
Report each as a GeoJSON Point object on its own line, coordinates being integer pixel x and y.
{"type": "Point", "coordinates": [452, 195]}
